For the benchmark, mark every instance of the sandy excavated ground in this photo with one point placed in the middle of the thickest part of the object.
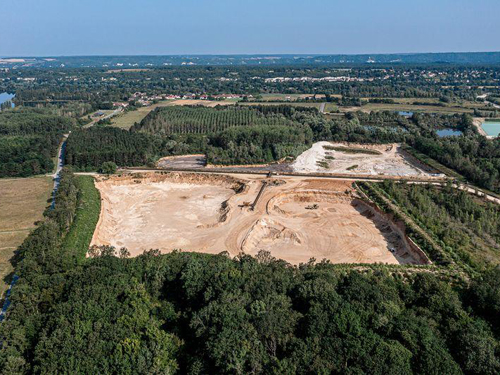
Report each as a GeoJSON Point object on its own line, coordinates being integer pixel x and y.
{"type": "Point", "coordinates": [209, 213]}
{"type": "Point", "coordinates": [390, 162]}
{"type": "Point", "coordinates": [182, 161]}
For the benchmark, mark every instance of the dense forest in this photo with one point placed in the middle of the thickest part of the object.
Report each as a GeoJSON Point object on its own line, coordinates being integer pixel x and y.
{"type": "Point", "coordinates": [29, 139]}
{"type": "Point", "coordinates": [89, 148]}
{"type": "Point", "coordinates": [198, 313]}
{"type": "Point", "coordinates": [258, 144]}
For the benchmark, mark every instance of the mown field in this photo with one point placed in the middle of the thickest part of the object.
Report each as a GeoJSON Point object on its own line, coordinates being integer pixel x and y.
{"type": "Point", "coordinates": [129, 118]}
{"type": "Point", "coordinates": [22, 203]}
{"type": "Point", "coordinates": [87, 216]}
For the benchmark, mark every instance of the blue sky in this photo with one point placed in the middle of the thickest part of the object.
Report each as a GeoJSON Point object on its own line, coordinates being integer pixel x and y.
{"type": "Point", "coordinates": [110, 27]}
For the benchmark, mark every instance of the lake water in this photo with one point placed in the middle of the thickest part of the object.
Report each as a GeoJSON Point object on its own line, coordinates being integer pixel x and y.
{"type": "Point", "coordinates": [491, 128]}
{"type": "Point", "coordinates": [405, 113]}
{"type": "Point", "coordinates": [448, 133]}
{"type": "Point", "coordinates": [4, 97]}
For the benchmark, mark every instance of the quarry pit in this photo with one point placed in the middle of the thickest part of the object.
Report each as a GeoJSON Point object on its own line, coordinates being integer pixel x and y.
{"type": "Point", "coordinates": [293, 218]}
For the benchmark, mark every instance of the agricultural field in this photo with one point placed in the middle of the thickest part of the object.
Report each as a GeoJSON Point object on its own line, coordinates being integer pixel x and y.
{"type": "Point", "coordinates": [23, 202]}
{"type": "Point", "coordinates": [295, 219]}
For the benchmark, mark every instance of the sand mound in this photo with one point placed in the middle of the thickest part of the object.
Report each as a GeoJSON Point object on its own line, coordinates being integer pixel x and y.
{"type": "Point", "coordinates": [359, 159]}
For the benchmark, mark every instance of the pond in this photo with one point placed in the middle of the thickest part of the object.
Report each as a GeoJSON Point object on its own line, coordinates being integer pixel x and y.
{"type": "Point", "coordinates": [405, 113]}
{"type": "Point", "coordinates": [492, 128]}
{"type": "Point", "coordinates": [448, 133]}
{"type": "Point", "coordinates": [5, 96]}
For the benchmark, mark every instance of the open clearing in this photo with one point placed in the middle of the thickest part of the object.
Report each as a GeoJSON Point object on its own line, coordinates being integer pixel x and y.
{"type": "Point", "coordinates": [22, 201]}
{"type": "Point", "coordinates": [129, 118]}
{"type": "Point", "coordinates": [294, 218]}
{"type": "Point", "coordinates": [358, 159]}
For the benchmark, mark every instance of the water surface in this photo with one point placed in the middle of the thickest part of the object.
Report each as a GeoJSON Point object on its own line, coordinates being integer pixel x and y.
{"type": "Point", "coordinates": [5, 96]}
{"type": "Point", "coordinates": [491, 128]}
{"type": "Point", "coordinates": [448, 133]}
{"type": "Point", "coordinates": [405, 113]}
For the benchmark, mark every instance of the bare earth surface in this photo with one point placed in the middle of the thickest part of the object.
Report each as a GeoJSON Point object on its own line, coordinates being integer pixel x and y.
{"type": "Point", "coordinates": [389, 160]}
{"type": "Point", "coordinates": [183, 161]}
{"type": "Point", "coordinates": [295, 218]}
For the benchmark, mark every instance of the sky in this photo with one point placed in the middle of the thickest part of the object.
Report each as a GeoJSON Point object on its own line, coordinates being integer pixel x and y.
{"type": "Point", "coordinates": [167, 27]}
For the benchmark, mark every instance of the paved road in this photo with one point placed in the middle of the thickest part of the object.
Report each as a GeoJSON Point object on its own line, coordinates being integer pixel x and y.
{"type": "Point", "coordinates": [60, 164]}
{"type": "Point", "coordinates": [60, 161]}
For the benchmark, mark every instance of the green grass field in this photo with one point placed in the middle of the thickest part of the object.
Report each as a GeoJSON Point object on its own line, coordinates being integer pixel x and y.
{"type": "Point", "coordinates": [87, 216]}
{"type": "Point", "coordinates": [127, 119]}
{"type": "Point", "coordinates": [331, 107]}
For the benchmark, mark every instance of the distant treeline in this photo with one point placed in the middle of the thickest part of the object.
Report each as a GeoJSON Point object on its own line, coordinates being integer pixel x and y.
{"type": "Point", "coordinates": [97, 86]}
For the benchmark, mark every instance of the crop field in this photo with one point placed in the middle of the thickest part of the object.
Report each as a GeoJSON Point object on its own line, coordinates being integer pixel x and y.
{"type": "Point", "coordinates": [293, 218]}
{"type": "Point", "coordinates": [23, 202]}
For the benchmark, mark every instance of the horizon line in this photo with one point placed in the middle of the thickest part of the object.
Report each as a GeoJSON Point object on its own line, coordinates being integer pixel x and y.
{"type": "Point", "coordinates": [251, 54]}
